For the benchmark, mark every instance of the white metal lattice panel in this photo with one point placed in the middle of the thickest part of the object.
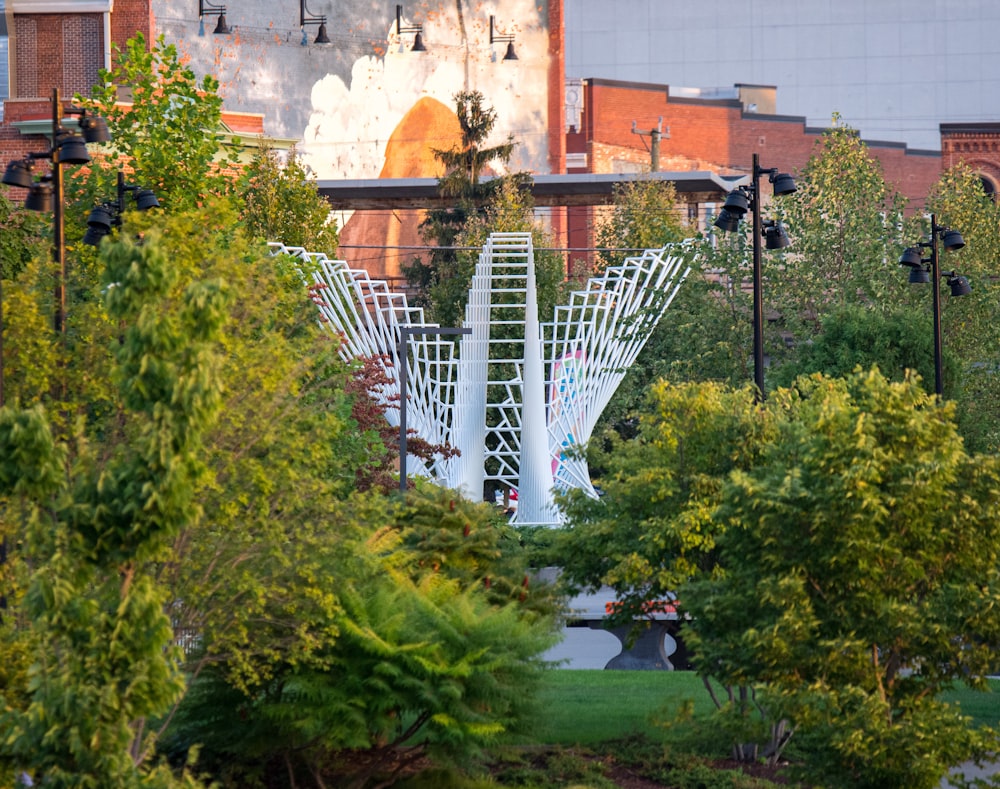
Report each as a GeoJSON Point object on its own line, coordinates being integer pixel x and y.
{"type": "Point", "coordinates": [591, 343]}
{"type": "Point", "coordinates": [367, 316]}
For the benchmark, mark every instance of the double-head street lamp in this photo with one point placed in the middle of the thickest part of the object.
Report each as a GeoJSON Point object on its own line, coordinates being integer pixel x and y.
{"type": "Point", "coordinates": [738, 202]}
{"type": "Point", "coordinates": [47, 193]}
{"type": "Point", "coordinates": [929, 270]}
{"type": "Point", "coordinates": [108, 215]}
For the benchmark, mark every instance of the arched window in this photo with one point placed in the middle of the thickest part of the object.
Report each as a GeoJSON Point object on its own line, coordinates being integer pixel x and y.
{"type": "Point", "coordinates": [989, 186]}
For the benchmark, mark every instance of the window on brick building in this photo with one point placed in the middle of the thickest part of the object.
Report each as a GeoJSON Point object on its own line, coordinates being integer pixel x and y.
{"type": "Point", "coordinates": [989, 186]}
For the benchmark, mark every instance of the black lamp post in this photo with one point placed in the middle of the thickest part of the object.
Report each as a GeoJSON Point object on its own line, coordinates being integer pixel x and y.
{"type": "Point", "coordinates": [108, 215]}
{"type": "Point", "coordinates": [47, 194]}
{"type": "Point", "coordinates": [911, 257]}
{"type": "Point", "coordinates": [738, 202]}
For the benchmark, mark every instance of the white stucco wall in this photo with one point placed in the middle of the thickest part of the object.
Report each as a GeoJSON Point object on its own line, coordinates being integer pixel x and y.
{"type": "Point", "coordinates": [894, 69]}
{"type": "Point", "coordinates": [344, 100]}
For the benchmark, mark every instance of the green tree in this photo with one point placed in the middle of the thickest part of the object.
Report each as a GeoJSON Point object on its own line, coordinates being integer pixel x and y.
{"type": "Point", "coordinates": [438, 646]}
{"type": "Point", "coordinates": [464, 165]}
{"type": "Point", "coordinates": [969, 325]}
{"type": "Point", "coordinates": [167, 133]}
{"type": "Point", "coordinates": [897, 341]}
{"type": "Point", "coordinates": [859, 580]}
{"type": "Point", "coordinates": [19, 244]}
{"type": "Point", "coordinates": [281, 203]}
{"type": "Point", "coordinates": [465, 162]}
{"type": "Point", "coordinates": [846, 226]}
{"type": "Point", "coordinates": [653, 528]}
{"type": "Point", "coordinates": [94, 522]}
{"type": "Point", "coordinates": [644, 215]}
{"type": "Point", "coordinates": [694, 339]}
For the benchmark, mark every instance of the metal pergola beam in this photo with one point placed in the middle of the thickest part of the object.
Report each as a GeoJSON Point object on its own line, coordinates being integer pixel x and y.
{"type": "Point", "coordinates": [575, 189]}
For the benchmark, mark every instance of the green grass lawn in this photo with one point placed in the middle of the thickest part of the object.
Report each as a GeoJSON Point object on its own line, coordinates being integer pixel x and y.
{"type": "Point", "coordinates": [586, 707]}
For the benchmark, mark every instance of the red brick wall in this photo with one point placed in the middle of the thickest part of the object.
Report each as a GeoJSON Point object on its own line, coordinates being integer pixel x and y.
{"type": "Point", "coordinates": [63, 51]}
{"type": "Point", "coordinates": [975, 144]}
{"type": "Point", "coordinates": [131, 17]}
{"type": "Point", "coordinates": [717, 135]}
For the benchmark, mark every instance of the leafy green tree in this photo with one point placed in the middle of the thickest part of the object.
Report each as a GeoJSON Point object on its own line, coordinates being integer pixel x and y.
{"type": "Point", "coordinates": [969, 325]}
{"type": "Point", "coordinates": [94, 522]}
{"type": "Point", "coordinates": [653, 528]}
{"type": "Point", "coordinates": [438, 645]}
{"type": "Point", "coordinates": [846, 226]}
{"type": "Point", "coordinates": [897, 341]}
{"type": "Point", "coordinates": [859, 580]}
{"type": "Point", "coordinates": [644, 215]}
{"type": "Point", "coordinates": [281, 203]}
{"type": "Point", "coordinates": [168, 134]}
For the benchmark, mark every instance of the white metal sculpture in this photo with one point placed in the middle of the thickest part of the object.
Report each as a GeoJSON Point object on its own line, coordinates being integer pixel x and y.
{"type": "Point", "coordinates": [515, 403]}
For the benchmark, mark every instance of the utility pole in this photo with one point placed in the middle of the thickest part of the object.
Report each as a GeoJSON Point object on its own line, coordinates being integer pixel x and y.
{"type": "Point", "coordinates": [655, 135]}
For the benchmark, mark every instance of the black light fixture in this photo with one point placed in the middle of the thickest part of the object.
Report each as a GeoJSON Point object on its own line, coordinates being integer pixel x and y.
{"type": "Point", "coordinates": [94, 128]}
{"type": "Point", "coordinates": [211, 9]}
{"type": "Point", "coordinates": [497, 37]}
{"type": "Point", "coordinates": [418, 39]}
{"type": "Point", "coordinates": [306, 17]}
{"type": "Point", "coordinates": [47, 194]}
{"type": "Point", "coordinates": [108, 215]}
{"type": "Point", "coordinates": [738, 202]}
{"type": "Point", "coordinates": [40, 195]}
{"type": "Point", "coordinates": [928, 270]}
{"type": "Point", "coordinates": [775, 236]}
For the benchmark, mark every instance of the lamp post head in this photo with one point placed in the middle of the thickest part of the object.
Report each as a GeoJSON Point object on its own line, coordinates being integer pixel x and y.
{"type": "Point", "coordinates": [95, 129]}
{"type": "Point", "coordinates": [911, 257]}
{"type": "Point", "coordinates": [783, 184]}
{"type": "Point", "coordinates": [775, 236]}
{"type": "Point", "coordinates": [952, 240]}
{"type": "Point", "coordinates": [737, 203]}
{"type": "Point", "coordinates": [146, 199]}
{"type": "Point", "coordinates": [39, 197]}
{"type": "Point", "coordinates": [919, 276]}
{"type": "Point", "coordinates": [959, 285]}
{"type": "Point", "coordinates": [72, 150]}
{"type": "Point", "coordinates": [18, 173]}
{"type": "Point", "coordinates": [727, 221]}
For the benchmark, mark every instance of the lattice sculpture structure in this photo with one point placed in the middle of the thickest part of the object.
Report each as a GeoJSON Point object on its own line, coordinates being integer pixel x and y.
{"type": "Point", "coordinates": [517, 395]}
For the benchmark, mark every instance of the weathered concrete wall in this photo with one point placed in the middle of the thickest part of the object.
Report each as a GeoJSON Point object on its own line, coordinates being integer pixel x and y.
{"type": "Point", "coordinates": [364, 97]}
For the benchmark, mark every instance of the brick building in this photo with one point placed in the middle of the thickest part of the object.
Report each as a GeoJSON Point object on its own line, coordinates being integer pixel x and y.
{"type": "Point", "coordinates": [592, 126]}
{"type": "Point", "coordinates": [619, 123]}
{"type": "Point", "coordinates": [976, 144]}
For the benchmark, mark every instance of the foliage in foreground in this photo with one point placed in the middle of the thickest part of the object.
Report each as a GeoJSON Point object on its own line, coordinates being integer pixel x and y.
{"type": "Point", "coordinates": [437, 648]}
{"type": "Point", "coordinates": [866, 538]}
{"type": "Point", "coordinates": [97, 633]}
{"type": "Point", "coordinates": [836, 548]}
